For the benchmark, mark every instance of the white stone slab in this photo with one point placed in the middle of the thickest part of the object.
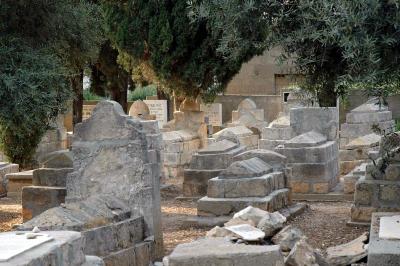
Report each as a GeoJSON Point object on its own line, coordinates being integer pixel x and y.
{"type": "Point", "coordinates": [389, 227]}
{"type": "Point", "coordinates": [246, 232]}
{"type": "Point", "coordinates": [12, 244]}
{"type": "Point", "coordinates": [159, 108]}
{"type": "Point", "coordinates": [212, 112]}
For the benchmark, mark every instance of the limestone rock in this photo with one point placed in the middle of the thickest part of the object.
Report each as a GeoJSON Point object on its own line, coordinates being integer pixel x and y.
{"type": "Point", "coordinates": [271, 223]}
{"type": "Point", "coordinates": [301, 255]}
{"type": "Point", "coordinates": [287, 237]}
{"type": "Point", "coordinates": [253, 167]}
{"type": "Point", "coordinates": [348, 253]}
{"type": "Point", "coordinates": [254, 215]}
{"type": "Point", "coordinates": [246, 232]}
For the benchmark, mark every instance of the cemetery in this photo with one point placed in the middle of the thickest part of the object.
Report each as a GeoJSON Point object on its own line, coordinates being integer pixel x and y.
{"type": "Point", "coordinates": [197, 133]}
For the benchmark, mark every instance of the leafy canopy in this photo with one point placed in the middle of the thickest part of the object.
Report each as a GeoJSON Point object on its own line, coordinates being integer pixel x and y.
{"type": "Point", "coordinates": [159, 42]}
{"type": "Point", "coordinates": [337, 44]}
{"type": "Point", "coordinates": [42, 43]}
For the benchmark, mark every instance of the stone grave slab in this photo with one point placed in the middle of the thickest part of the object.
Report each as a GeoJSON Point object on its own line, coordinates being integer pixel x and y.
{"type": "Point", "coordinates": [308, 139]}
{"type": "Point", "coordinates": [253, 167]}
{"type": "Point", "coordinates": [219, 147]}
{"type": "Point", "coordinates": [389, 227]}
{"type": "Point", "coordinates": [13, 244]}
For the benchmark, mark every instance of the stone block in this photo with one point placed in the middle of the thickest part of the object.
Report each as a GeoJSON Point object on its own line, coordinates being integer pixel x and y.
{"type": "Point", "coordinates": [277, 133]}
{"type": "Point", "coordinates": [6, 168]}
{"type": "Point", "coordinates": [16, 181]}
{"type": "Point", "coordinates": [214, 161]}
{"type": "Point", "coordinates": [300, 187]}
{"type": "Point", "coordinates": [64, 250]}
{"type": "Point", "coordinates": [318, 154]}
{"type": "Point", "coordinates": [195, 181]}
{"type": "Point", "coordinates": [364, 193]}
{"type": "Point", "coordinates": [276, 160]}
{"type": "Point", "coordinates": [308, 139]}
{"type": "Point", "coordinates": [55, 177]}
{"type": "Point", "coordinates": [269, 144]}
{"type": "Point", "coordinates": [247, 187]}
{"type": "Point", "coordinates": [382, 252]}
{"type": "Point", "coordinates": [225, 206]}
{"type": "Point", "coordinates": [322, 120]}
{"type": "Point", "coordinates": [368, 117]}
{"type": "Point", "coordinates": [348, 166]}
{"type": "Point", "coordinates": [361, 214]}
{"type": "Point", "coordinates": [314, 172]}
{"type": "Point", "coordinates": [36, 200]}
{"type": "Point", "coordinates": [223, 252]}
{"type": "Point", "coordinates": [57, 159]}
{"type": "Point", "coordinates": [253, 167]}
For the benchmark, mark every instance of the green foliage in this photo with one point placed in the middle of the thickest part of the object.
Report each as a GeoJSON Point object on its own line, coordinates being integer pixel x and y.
{"type": "Point", "coordinates": [337, 44]}
{"type": "Point", "coordinates": [43, 44]}
{"type": "Point", "coordinates": [33, 91]}
{"type": "Point", "coordinates": [159, 43]}
{"type": "Point", "coordinates": [397, 125]}
{"type": "Point", "coordinates": [140, 93]}
{"type": "Point", "coordinates": [90, 96]}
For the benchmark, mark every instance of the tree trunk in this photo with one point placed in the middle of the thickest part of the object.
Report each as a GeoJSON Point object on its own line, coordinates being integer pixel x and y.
{"type": "Point", "coordinates": [161, 95]}
{"type": "Point", "coordinates": [77, 105]}
{"type": "Point", "coordinates": [120, 95]}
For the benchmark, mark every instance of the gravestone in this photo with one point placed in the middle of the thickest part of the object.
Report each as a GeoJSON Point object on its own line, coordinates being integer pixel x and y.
{"type": "Point", "coordinates": [139, 109]}
{"type": "Point", "coordinates": [48, 185]}
{"type": "Point", "coordinates": [213, 112]}
{"type": "Point", "coordinates": [6, 168]}
{"type": "Point", "coordinates": [384, 251]}
{"type": "Point", "coordinates": [359, 121]}
{"type": "Point", "coordinates": [50, 248]}
{"type": "Point", "coordinates": [251, 182]}
{"type": "Point", "coordinates": [207, 163]}
{"type": "Point", "coordinates": [113, 193]}
{"type": "Point", "coordinates": [277, 133]}
{"type": "Point", "coordinates": [312, 154]}
{"type": "Point", "coordinates": [379, 189]}
{"type": "Point", "coordinates": [245, 136]}
{"type": "Point", "coordinates": [248, 115]}
{"type": "Point", "coordinates": [158, 108]}
{"type": "Point", "coordinates": [182, 137]}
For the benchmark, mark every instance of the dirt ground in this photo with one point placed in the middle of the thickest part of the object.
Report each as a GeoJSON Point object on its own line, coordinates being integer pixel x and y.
{"type": "Point", "coordinates": [10, 213]}
{"type": "Point", "coordinates": [324, 223]}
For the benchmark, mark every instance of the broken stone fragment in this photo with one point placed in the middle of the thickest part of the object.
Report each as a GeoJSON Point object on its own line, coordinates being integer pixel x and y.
{"type": "Point", "coordinates": [238, 221]}
{"type": "Point", "coordinates": [246, 232]}
{"type": "Point", "coordinates": [302, 254]}
{"type": "Point", "coordinates": [250, 214]}
{"type": "Point", "coordinates": [287, 237]}
{"type": "Point", "coordinates": [271, 223]}
{"type": "Point", "coordinates": [348, 253]}
{"type": "Point", "coordinates": [219, 232]}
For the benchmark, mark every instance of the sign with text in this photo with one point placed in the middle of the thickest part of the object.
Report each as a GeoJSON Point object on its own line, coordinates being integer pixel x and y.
{"type": "Point", "coordinates": [213, 113]}
{"type": "Point", "coordinates": [159, 108]}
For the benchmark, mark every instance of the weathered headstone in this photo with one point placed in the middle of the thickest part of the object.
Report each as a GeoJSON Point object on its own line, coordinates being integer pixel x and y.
{"type": "Point", "coordinates": [251, 182]}
{"type": "Point", "coordinates": [6, 168]}
{"type": "Point", "coordinates": [207, 163]}
{"type": "Point", "coordinates": [249, 116]}
{"type": "Point", "coordinates": [114, 187]}
{"type": "Point", "coordinates": [246, 137]}
{"type": "Point", "coordinates": [213, 112]}
{"type": "Point", "coordinates": [158, 108]}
